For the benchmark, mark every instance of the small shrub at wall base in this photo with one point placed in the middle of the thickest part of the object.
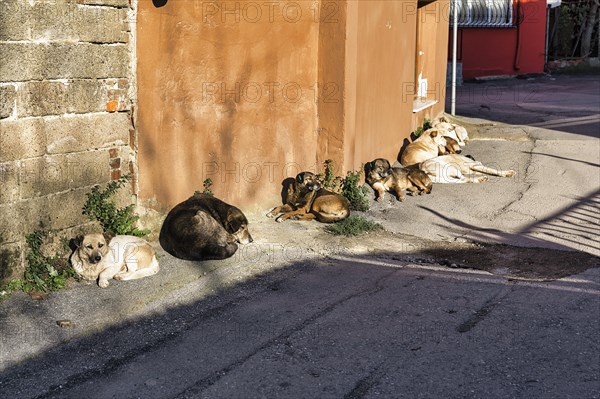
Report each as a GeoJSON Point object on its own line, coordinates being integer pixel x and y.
{"type": "Point", "coordinates": [426, 126]}
{"type": "Point", "coordinates": [101, 207]}
{"type": "Point", "coordinates": [353, 226]}
{"type": "Point", "coordinates": [357, 195]}
{"type": "Point", "coordinates": [43, 273]}
{"type": "Point", "coordinates": [207, 184]}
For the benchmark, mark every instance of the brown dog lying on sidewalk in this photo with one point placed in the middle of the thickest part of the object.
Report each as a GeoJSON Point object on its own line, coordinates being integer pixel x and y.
{"type": "Point", "coordinates": [104, 257]}
{"type": "Point", "coordinates": [382, 177]}
{"type": "Point", "coordinates": [204, 227]}
{"type": "Point", "coordinates": [305, 199]}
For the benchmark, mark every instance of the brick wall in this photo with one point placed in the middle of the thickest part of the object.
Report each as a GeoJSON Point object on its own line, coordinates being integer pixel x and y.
{"type": "Point", "coordinates": [66, 91]}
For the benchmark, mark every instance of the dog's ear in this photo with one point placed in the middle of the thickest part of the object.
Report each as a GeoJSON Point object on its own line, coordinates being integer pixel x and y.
{"type": "Point", "coordinates": [76, 242]}
{"type": "Point", "coordinates": [434, 133]}
{"type": "Point", "coordinates": [300, 178]}
{"type": "Point", "coordinates": [108, 235]}
{"type": "Point", "coordinates": [235, 220]}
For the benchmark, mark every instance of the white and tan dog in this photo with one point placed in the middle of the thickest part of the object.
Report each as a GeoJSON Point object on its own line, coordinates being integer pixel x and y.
{"type": "Point", "coordinates": [426, 146]}
{"type": "Point", "coordinates": [460, 169]}
{"type": "Point", "coordinates": [122, 257]}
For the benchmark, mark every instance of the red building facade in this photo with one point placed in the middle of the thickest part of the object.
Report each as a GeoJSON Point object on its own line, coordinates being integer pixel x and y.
{"type": "Point", "coordinates": [492, 42]}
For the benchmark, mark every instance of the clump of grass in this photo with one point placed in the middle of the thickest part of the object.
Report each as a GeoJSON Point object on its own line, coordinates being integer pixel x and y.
{"type": "Point", "coordinates": [353, 226]}
{"type": "Point", "coordinates": [100, 206]}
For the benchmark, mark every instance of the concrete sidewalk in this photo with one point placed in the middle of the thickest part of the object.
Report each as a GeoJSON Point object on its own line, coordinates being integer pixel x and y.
{"type": "Point", "coordinates": [541, 224]}
{"type": "Point", "coordinates": [552, 202]}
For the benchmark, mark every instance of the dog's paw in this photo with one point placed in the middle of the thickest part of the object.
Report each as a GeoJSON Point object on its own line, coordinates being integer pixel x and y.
{"type": "Point", "coordinates": [118, 277]}
{"type": "Point", "coordinates": [379, 199]}
{"type": "Point", "coordinates": [280, 219]}
{"type": "Point", "coordinates": [103, 283]}
{"type": "Point", "coordinates": [511, 173]}
{"type": "Point", "coordinates": [401, 199]}
{"type": "Point", "coordinates": [482, 179]}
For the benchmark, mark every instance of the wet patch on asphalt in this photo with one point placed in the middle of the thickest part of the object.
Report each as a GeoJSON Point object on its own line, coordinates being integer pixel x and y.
{"type": "Point", "coordinates": [503, 260]}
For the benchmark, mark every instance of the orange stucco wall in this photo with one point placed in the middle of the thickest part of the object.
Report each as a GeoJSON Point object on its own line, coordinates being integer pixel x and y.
{"type": "Point", "coordinates": [432, 55]}
{"type": "Point", "coordinates": [248, 94]}
{"type": "Point", "coordinates": [381, 61]}
{"type": "Point", "coordinates": [224, 94]}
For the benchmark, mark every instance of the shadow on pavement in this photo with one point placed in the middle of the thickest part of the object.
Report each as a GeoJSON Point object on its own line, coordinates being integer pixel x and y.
{"type": "Point", "coordinates": [575, 227]}
{"type": "Point", "coordinates": [331, 328]}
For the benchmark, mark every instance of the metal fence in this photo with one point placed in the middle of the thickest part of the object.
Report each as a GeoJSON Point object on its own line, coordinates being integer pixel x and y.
{"type": "Point", "coordinates": [483, 13]}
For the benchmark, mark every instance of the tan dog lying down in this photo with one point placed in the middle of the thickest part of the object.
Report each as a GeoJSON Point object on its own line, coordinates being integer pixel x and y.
{"type": "Point", "coordinates": [426, 146]}
{"type": "Point", "coordinates": [120, 257]}
{"type": "Point", "coordinates": [457, 132]}
{"type": "Point", "coordinates": [460, 169]}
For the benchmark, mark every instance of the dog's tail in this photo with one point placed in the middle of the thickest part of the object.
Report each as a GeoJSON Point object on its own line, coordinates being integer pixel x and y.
{"type": "Point", "coordinates": [332, 217]}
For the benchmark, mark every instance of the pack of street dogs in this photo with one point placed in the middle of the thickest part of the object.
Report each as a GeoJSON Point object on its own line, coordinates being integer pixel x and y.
{"type": "Point", "coordinates": [204, 227]}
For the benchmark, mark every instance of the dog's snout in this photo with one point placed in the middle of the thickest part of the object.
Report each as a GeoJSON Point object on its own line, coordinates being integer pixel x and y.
{"type": "Point", "coordinates": [97, 258]}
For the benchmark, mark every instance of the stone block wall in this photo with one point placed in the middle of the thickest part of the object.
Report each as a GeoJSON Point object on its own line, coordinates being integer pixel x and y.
{"type": "Point", "coordinates": [66, 95]}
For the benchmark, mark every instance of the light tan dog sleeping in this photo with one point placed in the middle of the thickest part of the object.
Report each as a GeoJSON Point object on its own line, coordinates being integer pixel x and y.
{"type": "Point", "coordinates": [460, 169]}
{"type": "Point", "coordinates": [121, 257]}
{"type": "Point", "coordinates": [426, 146]}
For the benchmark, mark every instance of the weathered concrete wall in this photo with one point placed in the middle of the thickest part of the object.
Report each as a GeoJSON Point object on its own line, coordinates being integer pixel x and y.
{"type": "Point", "coordinates": [65, 120]}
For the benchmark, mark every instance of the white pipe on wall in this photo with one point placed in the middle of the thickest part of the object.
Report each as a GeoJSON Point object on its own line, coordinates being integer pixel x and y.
{"type": "Point", "coordinates": [454, 46]}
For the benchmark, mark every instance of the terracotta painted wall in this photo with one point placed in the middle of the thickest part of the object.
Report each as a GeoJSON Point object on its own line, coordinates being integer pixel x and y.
{"type": "Point", "coordinates": [249, 100]}
{"type": "Point", "coordinates": [431, 56]}
{"type": "Point", "coordinates": [227, 92]}
{"type": "Point", "coordinates": [380, 88]}
{"type": "Point", "coordinates": [490, 52]}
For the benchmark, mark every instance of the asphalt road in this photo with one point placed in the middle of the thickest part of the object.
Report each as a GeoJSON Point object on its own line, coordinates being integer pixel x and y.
{"type": "Point", "coordinates": [568, 104]}
{"type": "Point", "coordinates": [343, 328]}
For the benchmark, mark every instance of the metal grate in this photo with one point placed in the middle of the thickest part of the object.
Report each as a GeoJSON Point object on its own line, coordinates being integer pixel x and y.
{"type": "Point", "coordinates": [483, 13]}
